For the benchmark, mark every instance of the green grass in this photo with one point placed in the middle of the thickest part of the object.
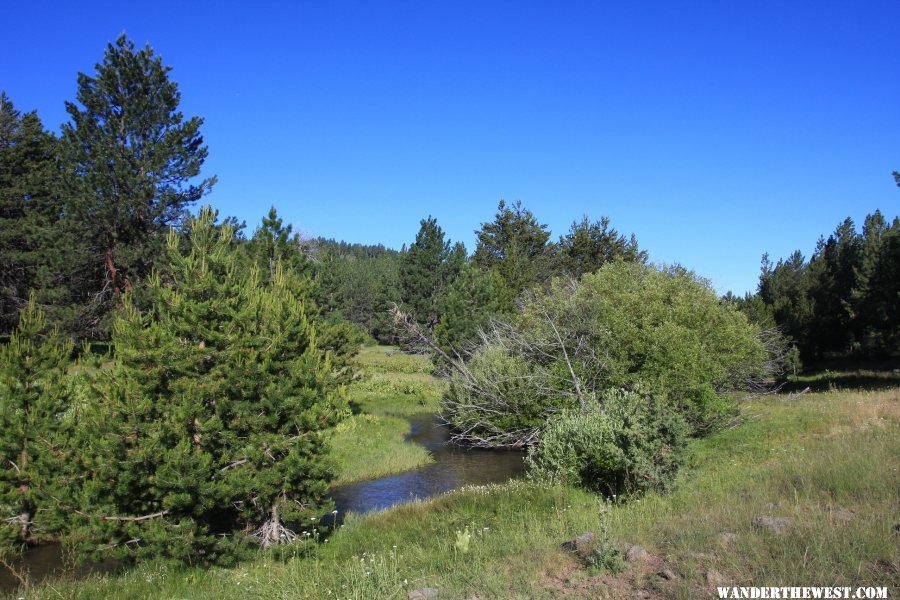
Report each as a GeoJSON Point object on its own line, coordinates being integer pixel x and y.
{"type": "Point", "coordinates": [799, 457]}
{"type": "Point", "coordinates": [394, 387]}
{"type": "Point", "coordinates": [803, 458]}
{"type": "Point", "coordinates": [855, 379]}
{"type": "Point", "coordinates": [366, 446]}
{"type": "Point", "coordinates": [388, 359]}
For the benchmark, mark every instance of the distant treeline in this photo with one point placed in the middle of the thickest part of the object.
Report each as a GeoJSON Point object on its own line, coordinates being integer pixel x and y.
{"type": "Point", "coordinates": [449, 291]}
{"type": "Point", "coordinates": [84, 217]}
{"type": "Point", "coordinates": [844, 301]}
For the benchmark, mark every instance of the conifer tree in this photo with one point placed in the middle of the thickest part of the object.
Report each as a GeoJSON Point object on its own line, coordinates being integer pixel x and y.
{"type": "Point", "coordinates": [210, 423]}
{"type": "Point", "coordinates": [474, 297]}
{"type": "Point", "coordinates": [515, 244]}
{"type": "Point", "coordinates": [588, 246]}
{"type": "Point", "coordinates": [429, 265]}
{"type": "Point", "coordinates": [34, 430]}
{"type": "Point", "coordinates": [274, 243]}
{"type": "Point", "coordinates": [132, 161]}
{"type": "Point", "coordinates": [30, 245]}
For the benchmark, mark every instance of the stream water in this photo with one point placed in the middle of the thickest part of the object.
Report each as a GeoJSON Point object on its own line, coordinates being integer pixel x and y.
{"type": "Point", "coordinates": [453, 467]}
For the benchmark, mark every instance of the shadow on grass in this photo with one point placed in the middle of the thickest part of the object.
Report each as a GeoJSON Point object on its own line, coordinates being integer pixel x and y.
{"type": "Point", "coordinates": [842, 380]}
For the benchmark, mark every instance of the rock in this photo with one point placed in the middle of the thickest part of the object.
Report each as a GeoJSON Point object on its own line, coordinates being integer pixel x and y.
{"type": "Point", "coordinates": [422, 594]}
{"type": "Point", "coordinates": [726, 538]}
{"type": "Point", "coordinates": [841, 514]}
{"type": "Point", "coordinates": [713, 578]}
{"type": "Point", "coordinates": [635, 553]}
{"type": "Point", "coordinates": [583, 545]}
{"type": "Point", "coordinates": [777, 525]}
{"type": "Point", "coordinates": [669, 574]}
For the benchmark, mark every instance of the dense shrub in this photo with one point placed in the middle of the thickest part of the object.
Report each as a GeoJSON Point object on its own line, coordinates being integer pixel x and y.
{"type": "Point", "coordinates": [626, 325]}
{"type": "Point", "coordinates": [627, 442]}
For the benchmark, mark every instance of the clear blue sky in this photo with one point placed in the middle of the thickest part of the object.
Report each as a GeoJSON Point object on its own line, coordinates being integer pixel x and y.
{"type": "Point", "coordinates": [713, 130]}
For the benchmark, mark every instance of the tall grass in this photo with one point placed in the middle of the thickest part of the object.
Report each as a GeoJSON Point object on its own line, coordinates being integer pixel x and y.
{"type": "Point", "coordinates": [803, 457]}
{"type": "Point", "coordinates": [367, 446]}
{"type": "Point", "coordinates": [394, 387]}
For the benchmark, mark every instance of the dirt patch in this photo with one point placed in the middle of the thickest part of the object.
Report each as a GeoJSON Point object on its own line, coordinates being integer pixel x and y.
{"type": "Point", "coordinates": [649, 579]}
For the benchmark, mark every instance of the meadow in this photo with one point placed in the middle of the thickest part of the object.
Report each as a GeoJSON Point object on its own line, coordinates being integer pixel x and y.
{"type": "Point", "coordinates": [392, 387]}
{"type": "Point", "coordinates": [823, 462]}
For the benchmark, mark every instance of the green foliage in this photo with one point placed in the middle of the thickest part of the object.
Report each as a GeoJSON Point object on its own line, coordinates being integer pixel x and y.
{"type": "Point", "coordinates": [426, 269]}
{"type": "Point", "coordinates": [666, 329]}
{"type": "Point", "coordinates": [359, 283]}
{"type": "Point", "coordinates": [36, 251]}
{"type": "Point", "coordinates": [515, 244]}
{"type": "Point", "coordinates": [34, 429]}
{"type": "Point", "coordinates": [844, 301]}
{"type": "Point", "coordinates": [210, 423]}
{"type": "Point", "coordinates": [275, 244]}
{"type": "Point", "coordinates": [628, 442]}
{"type": "Point", "coordinates": [625, 326]}
{"type": "Point", "coordinates": [588, 246]}
{"type": "Point", "coordinates": [132, 162]}
{"type": "Point", "coordinates": [342, 340]}
{"type": "Point", "coordinates": [474, 297]}
{"type": "Point", "coordinates": [497, 402]}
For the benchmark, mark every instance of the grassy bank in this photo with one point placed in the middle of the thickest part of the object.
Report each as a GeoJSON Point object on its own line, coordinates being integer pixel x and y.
{"type": "Point", "coordinates": [394, 386]}
{"type": "Point", "coordinates": [825, 461]}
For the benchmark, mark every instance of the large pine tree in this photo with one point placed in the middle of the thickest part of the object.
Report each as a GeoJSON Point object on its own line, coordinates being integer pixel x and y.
{"type": "Point", "coordinates": [132, 162]}
{"type": "Point", "coordinates": [29, 214]}
{"type": "Point", "coordinates": [426, 269]}
{"type": "Point", "coordinates": [588, 246]}
{"type": "Point", "coordinates": [210, 423]}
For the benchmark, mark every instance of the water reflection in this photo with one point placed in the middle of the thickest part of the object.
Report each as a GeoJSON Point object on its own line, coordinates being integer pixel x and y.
{"type": "Point", "coordinates": [454, 467]}
{"type": "Point", "coordinates": [46, 560]}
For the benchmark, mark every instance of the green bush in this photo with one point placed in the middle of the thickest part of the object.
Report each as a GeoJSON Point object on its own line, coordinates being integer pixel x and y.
{"type": "Point", "coordinates": [626, 325]}
{"type": "Point", "coordinates": [627, 442]}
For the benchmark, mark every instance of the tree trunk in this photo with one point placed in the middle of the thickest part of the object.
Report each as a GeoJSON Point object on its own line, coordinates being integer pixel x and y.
{"type": "Point", "coordinates": [112, 272]}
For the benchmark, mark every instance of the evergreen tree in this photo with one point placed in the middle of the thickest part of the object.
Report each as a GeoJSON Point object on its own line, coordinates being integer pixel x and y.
{"type": "Point", "coordinates": [132, 160]}
{"type": "Point", "coordinates": [588, 246]}
{"type": "Point", "coordinates": [429, 265]}
{"type": "Point", "coordinates": [845, 301]}
{"type": "Point", "coordinates": [273, 243]}
{"type": "Point", "coordinates": [34, 431]}
{"type": "Point", "coordinates": [516, 245]}
{"type": "Point", "coordinates": [788, 286]}
{"type": "Point", "coordinates": [358, 283]}
{"type": "Point", "coordinates": [30, 245]}
{"type": "Point", "coordinates": [878, 297]}
{"type": "Point", "coordinates": [210, 423]}
{"type": "Point", "coordinates": [834, 275]}
{"type": "Point", "coordinates": [473, 298]}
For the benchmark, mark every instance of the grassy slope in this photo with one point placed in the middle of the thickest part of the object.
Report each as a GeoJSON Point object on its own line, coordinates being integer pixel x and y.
{"type": "Point", "coordinates": [799, 457]}
{"type": "Point", "coordinates": [394, 387]}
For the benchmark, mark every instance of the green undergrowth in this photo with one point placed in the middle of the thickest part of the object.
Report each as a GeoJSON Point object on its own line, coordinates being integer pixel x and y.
{"type": "Point", "coordinates": [366, 446]}
{"type": "Point", "coordinates": [826, 461]}
{"type": "Point", "coordinates": [393, 387]}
